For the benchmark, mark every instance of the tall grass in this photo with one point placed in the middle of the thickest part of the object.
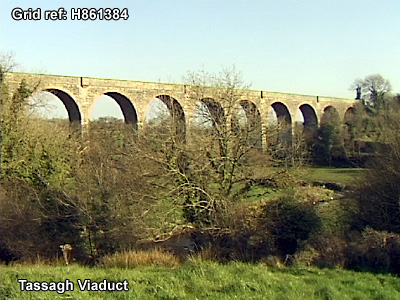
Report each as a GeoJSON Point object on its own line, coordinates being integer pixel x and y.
{"type": "Point", "coordinates": [131, 259]}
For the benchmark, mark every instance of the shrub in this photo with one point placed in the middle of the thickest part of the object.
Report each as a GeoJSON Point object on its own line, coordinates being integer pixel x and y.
{"type": "Point", "coordinates": [375, 250]}
{"type": "Point", "coordinates": [245, 246]}
{"type": "Point", "coordinates": [289, 223]}
{"type": "Point", "coordinates": [255, 232]}
{"type": "Point", "coordinates": [326, 250]}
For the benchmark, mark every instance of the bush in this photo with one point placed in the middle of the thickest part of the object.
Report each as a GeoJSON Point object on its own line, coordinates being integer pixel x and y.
{"type": "Point", "coordinates": [278, 228]}
{"type": "Point", "coordinates": [324, 250]}
{"type": "Point", "coordinates": [289, 223]}
{"type": "Point", "coordinates": [377, 251]}
{"type": "Point", "coordinates": [35, 223]}
{"type": "Point", "coordinates": [248, 246]}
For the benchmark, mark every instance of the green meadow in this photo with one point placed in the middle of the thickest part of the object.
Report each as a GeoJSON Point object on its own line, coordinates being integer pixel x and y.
{"type": "Point", "coordinates": [344, 176]}
{"type": "Point", "coordinates": [206, 280]}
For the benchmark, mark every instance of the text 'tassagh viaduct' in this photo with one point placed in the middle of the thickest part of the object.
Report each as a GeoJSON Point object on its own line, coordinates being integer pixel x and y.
{"type": "Point", "coordinates": [79, 95]}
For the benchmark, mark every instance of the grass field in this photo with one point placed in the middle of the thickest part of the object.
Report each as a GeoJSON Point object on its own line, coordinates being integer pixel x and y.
{"type": "Point", "coordinates": [344, 176]}
{"type": "Point", "coordinates": [206, 280]}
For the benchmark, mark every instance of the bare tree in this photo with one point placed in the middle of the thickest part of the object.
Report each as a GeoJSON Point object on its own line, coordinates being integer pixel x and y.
{"type": "Point", "coordinates": [372, 89]}
{"type": "Point", "coordinates": [379, 189]}
{"type": "Point", "coordinates": [7, 63]}
{"type": "Point", "coordinates": [203, 173]}
{"type": "Point", "coordinates": [197, 170]}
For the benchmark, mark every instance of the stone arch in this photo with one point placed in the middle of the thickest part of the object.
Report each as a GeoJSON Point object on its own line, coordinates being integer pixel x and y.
{"type": "Point", "coordinates": [127, 108]}
{"type": "Point", "coordinates": [331, 132]}
{"type": "Point", "coordinates": [215, 111]}
{"type": "Point", "coordinates": [284, 122]}
{"type": "Point", "coordinates": [70, 104]}
{"type": "Point", "coordinates": [350, 130]}
{"type": "Point", "coordinates": [174, 107]}
{"type": "Point", "coordinates": [176, 112]}
{"type": "Point", "coordinates": [329, 148]}
{"type": "Point", "coordinates": [349, 115]}
{"type": "Point", "coordinates": [251, 110]}
{"type": "Point", "coordinates": [282, 112]}
{"type": "Point", "coordinates": [330, 116]}
{"type": "Point", "coordinates": [310, 117]}
{"type": "Point", "coordinates": [253, 123]}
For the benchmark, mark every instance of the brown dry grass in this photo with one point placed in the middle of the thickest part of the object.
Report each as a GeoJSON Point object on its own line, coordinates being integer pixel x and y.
{"type": "Point", "coordinates": [130, 259]}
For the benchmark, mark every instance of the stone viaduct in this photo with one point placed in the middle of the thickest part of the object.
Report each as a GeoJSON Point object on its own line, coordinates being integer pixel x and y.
{"type": "Point", "coordinates": [79, 95]}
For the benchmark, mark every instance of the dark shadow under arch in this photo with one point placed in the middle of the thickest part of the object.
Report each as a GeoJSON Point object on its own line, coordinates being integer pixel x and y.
{"type": "Point", "coordinates": [284, 121]}
{"type": "Point", "coordinates": [350, 129]}
{"type": "Point", "coordinates": [74, 114]}
{"type": "Point", "coordinates": [349, 115]}
{"type": "Point", "coordinates": [310, 117]}
{"type": "Point", "coordinates": [177, 114]}
{"type": "Point", "coordinates": [127, 108]}
{"type": "Point", "coordinates": [252, 113]}
{"type": "Point", "coordinates": [330, 116]}
{"type": "Point", "coordinates": [282, 112]}
{"type": "Point", "coordinates": [253, 122]}
{"type": "Point", "coordinates": [217, 114]}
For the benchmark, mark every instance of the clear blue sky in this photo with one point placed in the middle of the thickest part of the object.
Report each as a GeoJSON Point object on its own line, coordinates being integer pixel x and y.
{"type": "Point", "coordinates": [313, 47]}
